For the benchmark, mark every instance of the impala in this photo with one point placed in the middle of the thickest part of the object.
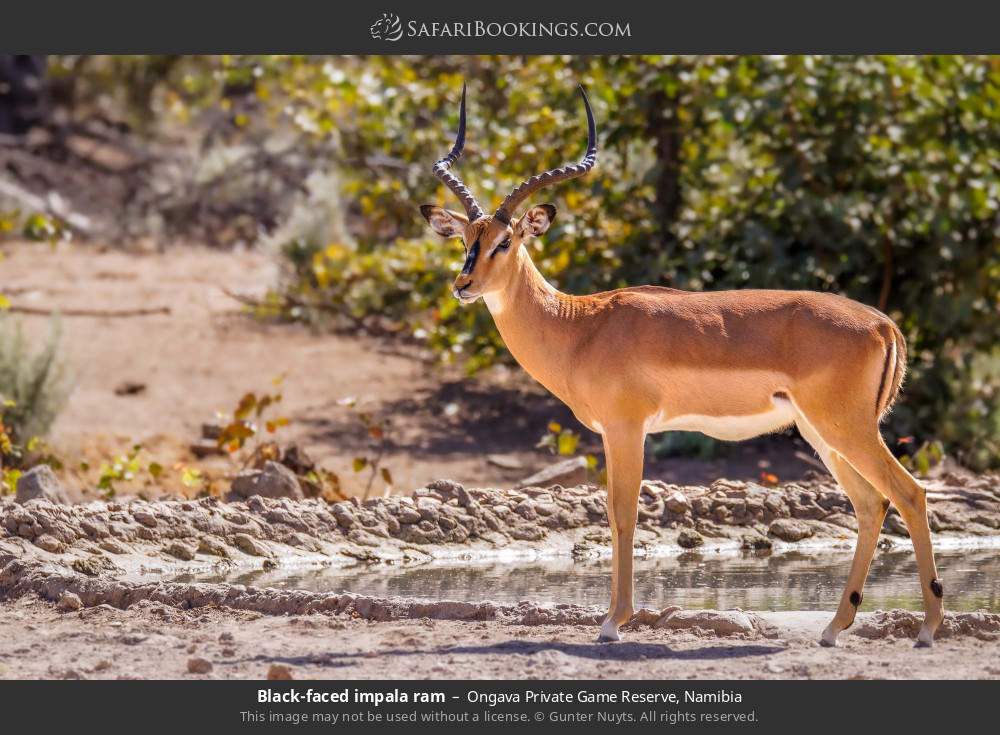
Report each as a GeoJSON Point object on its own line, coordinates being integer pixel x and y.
{"type": "Point", "coordinates": [730, 364]}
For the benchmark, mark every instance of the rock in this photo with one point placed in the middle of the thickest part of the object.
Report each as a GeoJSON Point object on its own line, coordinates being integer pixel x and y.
{"type": "Point", "coordinates": [408, 514]}
{"type": "Point", "coordinates": [274, 481]}
{"type": "Point", "coordinates": [344, 514]}
{"type": "Point", "coordinates": [210, 545]}
{"type": "Point", "coordinates": [112, 546]}
{"type": "Point", "coordinates": [50, 543]}
{"type": "Point", "coordinates": [40, 483]}
{"type": "Point", "coordinates": [199, 666]}
{"type": "Point", "coordinates": [755, 542]}
{"type": "Point", "coordinates": [504, 462]}
{"type": "Point", "coordinates": [843, 520]}
{"type": "Point", "coordinates": [130, 388]}
{"type": "Point", "coordinates": [720, 622]}
{"type": "Point", "coordinates": [145, 518]}
{"type": "Point", "coordinates": [567, 473]}
{"type": "Point", "coordinates": [89, 566]}
{"type": "Point", "coordinates": [645, 616]}
{"type": "Point", "coordinates": [182, 551]}
{"type": "Point", "coordinates": [296, 459]}
{"type": "Point", "coordinates": [894, 524]}
{"type": "Point", "coordinates": [249, 545]}
{"type": "Point", "coordinates": [789, 529]}
{"type": "Point", "coordinates": [446, 488]}
{"type": "Point", "coordinates": [69, 602]}
{"type": "Point", "coordinates": [689, 539]}
{"type": "Point", "coordinates": [279, 672]}
{"type": "Point", "coordinates": [677, 502]}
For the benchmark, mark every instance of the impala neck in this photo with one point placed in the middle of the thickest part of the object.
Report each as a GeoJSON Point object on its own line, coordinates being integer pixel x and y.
{"type": "Point", "coordinates": [534, 319]}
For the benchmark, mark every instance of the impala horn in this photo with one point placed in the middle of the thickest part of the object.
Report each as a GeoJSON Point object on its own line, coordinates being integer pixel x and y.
{"type": "Point", "coordinates": [442, 170]}
{"type": "Point", "coordinates": [554, 176]}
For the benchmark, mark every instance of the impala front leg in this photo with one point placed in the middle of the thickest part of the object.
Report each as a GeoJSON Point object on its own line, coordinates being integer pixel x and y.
{"type": "Point", "coordinates": [623, 446]}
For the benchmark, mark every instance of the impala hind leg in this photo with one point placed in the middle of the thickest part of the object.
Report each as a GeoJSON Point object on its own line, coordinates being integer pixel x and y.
{"type": "Point", "coordinates": [859, 444]}
{"type": "Point", "coordinates": [870, 507]}
{"type": "Point", "coordinates": [623, 446]}
{"type": "Point", "coordinates": [875, 463]}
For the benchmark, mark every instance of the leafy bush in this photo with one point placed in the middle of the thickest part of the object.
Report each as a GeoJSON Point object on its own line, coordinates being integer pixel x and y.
{"type": "Point", "coordinates": [874, 177]}
{"type": "Point", "coordinates": [33, 387]}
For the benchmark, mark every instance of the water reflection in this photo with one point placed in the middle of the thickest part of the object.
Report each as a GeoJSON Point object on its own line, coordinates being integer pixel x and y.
{"type": "Point", "coordinates": [788, 581]}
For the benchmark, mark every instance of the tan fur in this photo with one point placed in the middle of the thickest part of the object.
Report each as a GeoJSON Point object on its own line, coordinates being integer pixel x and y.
{"type": "Point", "coordinates": [730, 363]}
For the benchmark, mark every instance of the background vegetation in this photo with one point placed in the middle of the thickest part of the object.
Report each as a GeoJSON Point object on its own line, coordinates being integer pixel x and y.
{"type": "Point", "coordinates": [874, 177]}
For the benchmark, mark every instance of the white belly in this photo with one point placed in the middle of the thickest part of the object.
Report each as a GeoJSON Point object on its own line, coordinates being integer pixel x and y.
{"type": "Point", "coordinates": [728, 428]}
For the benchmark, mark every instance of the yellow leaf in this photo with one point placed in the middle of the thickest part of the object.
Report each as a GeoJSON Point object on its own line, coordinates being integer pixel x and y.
{"type": "Point", "coordinates": [554, 427]}
{"type": "Point", "coordinates": [567, 442]}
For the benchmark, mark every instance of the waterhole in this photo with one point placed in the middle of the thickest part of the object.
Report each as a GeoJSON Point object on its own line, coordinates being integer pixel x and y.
{"type": "Point", "coordinates": [786, 581]}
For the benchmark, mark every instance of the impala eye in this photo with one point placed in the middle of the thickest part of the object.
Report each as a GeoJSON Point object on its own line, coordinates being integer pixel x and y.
{"type": "Point", "coordinates": [502, 246]}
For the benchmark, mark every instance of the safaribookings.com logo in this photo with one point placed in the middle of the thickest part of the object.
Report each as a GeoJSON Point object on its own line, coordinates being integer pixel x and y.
{"type": "Point", "coordinates": [390, 28]}
{"type": "Point", "coordinates": [387, 28]}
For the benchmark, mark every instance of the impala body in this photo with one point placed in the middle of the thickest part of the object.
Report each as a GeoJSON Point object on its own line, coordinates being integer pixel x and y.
{"type": "Point", "coordinates": [730, 364]}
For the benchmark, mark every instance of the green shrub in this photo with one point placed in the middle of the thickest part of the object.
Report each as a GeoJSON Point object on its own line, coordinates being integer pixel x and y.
{"type": "Point", "coordinates": [33, 385]}
{"type": "Point", "coordinates": [870, 176]}
{"type": "Point", "coordinates": [873, 177]}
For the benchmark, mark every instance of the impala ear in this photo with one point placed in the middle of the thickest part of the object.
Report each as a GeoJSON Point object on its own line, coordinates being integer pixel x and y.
{"type": "Point", "coordinates": [536, 220]}
{"type": "Point", "coordinates": [445, 222]}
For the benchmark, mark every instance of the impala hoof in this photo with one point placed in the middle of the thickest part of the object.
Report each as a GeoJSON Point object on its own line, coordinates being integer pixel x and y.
{"type": "Point", "coordinates": [609, 633]}
{"type": "Point", "coordinates": [925, 639]}
{"type": "Point", "coordinates": [829, 638]}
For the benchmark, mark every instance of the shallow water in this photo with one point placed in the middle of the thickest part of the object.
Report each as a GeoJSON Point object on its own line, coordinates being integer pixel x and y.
{"type": "Point", "coordinates": [786, 581]}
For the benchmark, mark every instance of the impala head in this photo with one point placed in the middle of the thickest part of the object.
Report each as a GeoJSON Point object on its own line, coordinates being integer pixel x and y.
{"type": "Point", "coordinates": [492, 241]}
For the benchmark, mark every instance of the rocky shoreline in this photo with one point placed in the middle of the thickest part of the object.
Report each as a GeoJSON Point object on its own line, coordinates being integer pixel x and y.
{"type": "Point", "coordinates": [446, 520]}
{"type": "Point", "coordinates": [91, 564]}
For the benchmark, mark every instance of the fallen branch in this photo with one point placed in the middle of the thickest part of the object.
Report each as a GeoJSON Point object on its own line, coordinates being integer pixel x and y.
{"type": "Point", "coordinates": [100, 313]}
{"type": "Point", "coordinates": [290, 301]}
{"type": "Point", "coordinates": [242, 298]}
{"type": "Point", "coordinates": [812, 461]}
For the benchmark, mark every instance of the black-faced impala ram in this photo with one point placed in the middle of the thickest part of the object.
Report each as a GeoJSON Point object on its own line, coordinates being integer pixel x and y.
{"type": "Point", "coordinates": [730, 364]}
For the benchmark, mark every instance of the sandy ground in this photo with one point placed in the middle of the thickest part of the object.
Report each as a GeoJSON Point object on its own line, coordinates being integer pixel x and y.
{"type": "Point", "coordinates": [157, 642]}
{"type": "Point", "coordinates": [202, 356]}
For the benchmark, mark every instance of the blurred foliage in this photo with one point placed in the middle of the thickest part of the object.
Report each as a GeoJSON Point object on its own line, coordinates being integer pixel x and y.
{"type": "Point", "coordinates": [33, 385]}
{"type": "Point", "coordinates": [33, 390]}
{"type": "Point", "coordinates": [376, 430]}
{"type": "Point", "coordinates": [874, 177]}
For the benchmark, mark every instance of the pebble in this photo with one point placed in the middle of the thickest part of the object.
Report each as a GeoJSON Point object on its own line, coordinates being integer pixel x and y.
{"type": "Point", "coordinates": [199, 666]}
{"type": "Point", "coordinates": [69, 602]}
{"type": "Point", "coordinates": [689, 539]}
{"type": "Point", "coordinates": [279, 672]}
{"type": "Point", "coordinates": [789, 529]}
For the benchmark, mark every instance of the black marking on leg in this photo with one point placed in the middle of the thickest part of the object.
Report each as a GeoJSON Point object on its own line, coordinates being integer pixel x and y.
{"type": "Point", "coordinates": [856, 598]}
{"type": "Point", "coordinates": [937, 588]}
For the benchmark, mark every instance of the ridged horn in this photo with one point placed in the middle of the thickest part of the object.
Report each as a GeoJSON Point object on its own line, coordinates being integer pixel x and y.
{"type": "Point", "coordinates": [443, 172]}
{"type": "Point", "coordinates": [553, 176]}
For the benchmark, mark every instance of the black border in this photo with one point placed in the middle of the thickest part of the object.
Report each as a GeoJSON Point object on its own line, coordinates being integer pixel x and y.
{"type": "Point", "coordinates": [339, 27]}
